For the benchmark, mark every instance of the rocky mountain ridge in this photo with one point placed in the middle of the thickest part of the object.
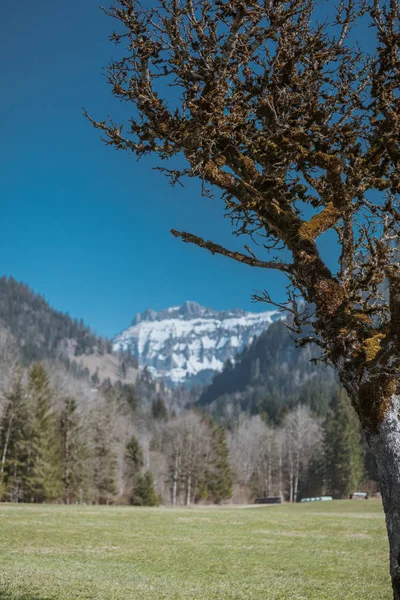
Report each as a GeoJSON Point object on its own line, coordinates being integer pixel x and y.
{"type": "Point", "coordinates": [190, 343]}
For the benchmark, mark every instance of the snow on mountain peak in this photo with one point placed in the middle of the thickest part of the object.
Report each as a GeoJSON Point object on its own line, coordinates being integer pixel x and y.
{"type": "Point", "coordinates": [190, 342]}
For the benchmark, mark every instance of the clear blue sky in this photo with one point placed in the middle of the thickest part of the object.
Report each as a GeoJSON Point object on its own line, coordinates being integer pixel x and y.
{"type": "Point", "coordinates": [84, 225]}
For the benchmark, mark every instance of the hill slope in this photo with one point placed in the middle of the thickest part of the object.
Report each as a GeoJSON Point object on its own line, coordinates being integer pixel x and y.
{"type": "Point", "coordinates": [269, 377]}
{"type": "Point", "coordinates": [43, 333]}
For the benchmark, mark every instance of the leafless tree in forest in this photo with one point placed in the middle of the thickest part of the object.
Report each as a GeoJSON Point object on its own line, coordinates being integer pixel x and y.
{"type": "Point", "coordinates": [281, 110]}
{"type": "Point", "coordinates": [273, 459]}
{"type": "Point", "coordinates": [252, 454]}
{"type": "Point", "coordinates": [303, 434]}
{"type": "Point", "coordinates": [187, 446]}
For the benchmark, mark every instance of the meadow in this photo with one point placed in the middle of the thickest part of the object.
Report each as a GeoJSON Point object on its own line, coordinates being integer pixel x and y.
{"type": "Point", "coordinates": [321, 551]}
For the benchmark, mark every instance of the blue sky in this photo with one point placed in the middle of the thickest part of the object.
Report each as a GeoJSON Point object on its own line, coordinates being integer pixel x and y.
{"type": "Point", "coordinates": [87, 227]}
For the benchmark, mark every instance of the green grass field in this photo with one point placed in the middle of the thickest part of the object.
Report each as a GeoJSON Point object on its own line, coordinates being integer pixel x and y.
{"type": "Point", "coordinates": [314, 551]}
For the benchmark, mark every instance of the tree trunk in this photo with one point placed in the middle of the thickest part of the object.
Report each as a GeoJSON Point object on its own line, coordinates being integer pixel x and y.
{"type": "Point", "coordinates": [291, 474]}
{"type": "Point", "coordinates": [188, 489]}
{"type": "Point", "coordinates": [269, 476]}
{"type": "Point", "coordinates": [6, 442]}
{"type": "Point", "coordinates": [296, 476]}
{"type": "Point", "coordinates": [296, 486]}
{"type": "Point", "coordinates": [385, 446]}
{"type": "Point", "coordinates": [175, 480]}
{"type": "Point", "coordinates": [291, 487]}
{"type": "Point", "coordinates": [66, 466]}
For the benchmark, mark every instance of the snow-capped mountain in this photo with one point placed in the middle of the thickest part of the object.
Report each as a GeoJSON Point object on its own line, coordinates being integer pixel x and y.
{"type": "Point", "coordinates": [189, 343]}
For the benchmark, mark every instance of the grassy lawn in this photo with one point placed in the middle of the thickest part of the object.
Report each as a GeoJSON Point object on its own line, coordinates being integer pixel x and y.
{"type": "Point", "coordinates": [319, 551]}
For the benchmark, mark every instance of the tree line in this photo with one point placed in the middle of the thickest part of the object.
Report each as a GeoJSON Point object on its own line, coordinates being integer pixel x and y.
{"type": "Point", "coordinates": [63, 440]}
{"type": "Point", "coordinates": [305, 456]}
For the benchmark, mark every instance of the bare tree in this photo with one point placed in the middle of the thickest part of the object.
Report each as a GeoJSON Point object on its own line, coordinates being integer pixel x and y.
{"type": "Point", "coordinates": [187, 444]}
{"type": "Point", "coordinates": [303, 434]}
{"type": "Point", "coordinates": [299, 128]}
{"type": "Point", "coordinates": [196, 452]}
{"type": "Point", "coordinates": [280, 445]}
{"type": "Point", "coordinates": [253, 455]}
{"type": "Point", "coordinates": [244, 450]}
{"type": "Point", "coordinates": [174, 445]}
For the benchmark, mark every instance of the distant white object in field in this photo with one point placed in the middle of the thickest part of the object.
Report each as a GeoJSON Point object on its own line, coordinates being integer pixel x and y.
{"type": "Point", "coordinates": [318, 499]}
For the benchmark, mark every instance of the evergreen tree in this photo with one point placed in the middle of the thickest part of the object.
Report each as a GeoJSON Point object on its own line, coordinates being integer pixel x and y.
{"type": "Point", "coordinates": [159, 409]}
{"type": "Point", "coordinates": [312, 482]}
{"type": "Point", "coordinates": [219, 476]}
{"type": "Point", "coordinates": [134, 455]}
{"type": "Point", "coordinates": [104, 470]}
{"type": "Point", "coordinates": [43, 460]}
{"type": "Point", "coordinates": [343, 452]}
{"type": "Point", "coordinates": [72, 451]}
{"type": "Point", "coordinates": [95, 379]}
{"type": "Point", "coordinates": [13, 442]}
{"type": "Point", "coordinates": [134, 462]}
{"type": "Point", "coordinates": [144, 493]}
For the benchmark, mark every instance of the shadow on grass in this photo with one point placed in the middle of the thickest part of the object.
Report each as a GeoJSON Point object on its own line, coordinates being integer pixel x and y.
{"type": "Point", "coordinates": [8, 594]}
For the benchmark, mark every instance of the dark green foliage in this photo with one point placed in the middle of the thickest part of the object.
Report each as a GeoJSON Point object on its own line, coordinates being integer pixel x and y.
{"type": "Point", "coordinates": [270, 377]}
{"type": "Point", "coordinates": [48, 454]}
{"type": "Point", "coordinates": [41, 331]}
{"type": "Point", "coordinates": [218, 477]}
{"type": "Point", "coordinates": [73, 451]}
{"type": "Point", "coordinates": [144, 492]}
{"type": "Point", "coordinates": [104, 464]}
{"type": "Point", "coordinates": [141, 490]}
{"type": "Point", "coordinates": [95, 379]}
{"type": "Point", "coordinates": [159, 409]}
{"type": "Point", "coordinates": [43, 462]}
{"type": "Point", "coordinates": [312, 484]}
{"type": "Point", "coordinates": [344, 462]}
{"type": "Point", "coordinates": [316, 394]}
{"type": "Point", "coordinates": [122, 394]}
{"type": "Point", "coordinates": [134, 455]}
{"type": "Point", "coordinates": [14, 440]}
{"type": "Point", "coordinates": [30, 459]}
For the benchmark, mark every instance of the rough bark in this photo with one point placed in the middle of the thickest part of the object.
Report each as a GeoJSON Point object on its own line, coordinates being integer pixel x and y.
{"type": "Point", "coordinates": [269, 477]}
{"type": "Point", "coordinates": [175, 480]}
{"type": "Point", "coordinates": [67, 481]}
{"type": "Point", "coordinates": [296, 487]}
{"type": "Point", "coordinates": [6, 443]}
{"type": "Point", "coordinates": [280, 473]}
{"type": "Point", "coordinates": [188, 489]}
{"type": "Point", "coordinates": [385, 445]}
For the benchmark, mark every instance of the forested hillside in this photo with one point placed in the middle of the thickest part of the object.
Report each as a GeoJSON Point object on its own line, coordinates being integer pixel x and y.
{"type": "Point", "coordinates": [270, 377]}
{"type": "Point", "coordinates": [40, 331]}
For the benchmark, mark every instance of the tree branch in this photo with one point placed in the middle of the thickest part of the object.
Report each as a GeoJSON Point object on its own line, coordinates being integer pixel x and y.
{"type": "Point", "coordinates": [252, 261]}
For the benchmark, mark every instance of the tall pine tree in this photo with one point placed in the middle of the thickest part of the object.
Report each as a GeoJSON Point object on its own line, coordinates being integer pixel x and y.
{"type": "Point", "coordinates": [144, 493]}
{"type": "Point", "coordinates": [104, 463]}
{"type": "Point", "coordinates": [344, 463]}
{"type": "Point", "coordinates": [133, 466]}
{"type": "Point", "coordinates": [14, 442]}
{"type": "Point", "coordinates": [73, 451]}
{"type": "Point", "coordinates": [43, 460]}
{"type": "Point", "coordinates": [219, 476]}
